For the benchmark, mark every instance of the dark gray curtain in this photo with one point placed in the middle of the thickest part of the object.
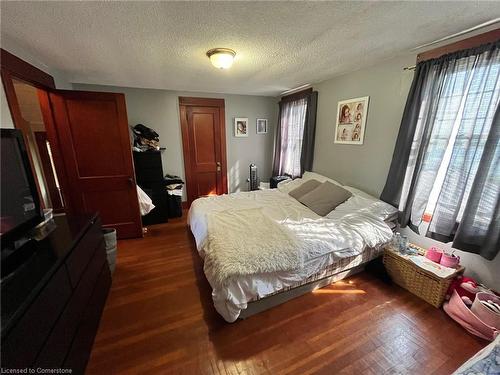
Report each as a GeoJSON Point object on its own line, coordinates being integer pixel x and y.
{"type": "Point", "coordinates": [295, 134]}
{"type": "Point", "coordinates": [397, 171]}
{"type": "Point", "coordinates": [307, 153]}
{"type": "Point", "coordinates": [445, 163]}
{"type": "Point", "coordinates": [277, 143]}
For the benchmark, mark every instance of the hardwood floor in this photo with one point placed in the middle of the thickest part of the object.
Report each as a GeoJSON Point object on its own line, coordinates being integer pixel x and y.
{"type": "Point", "coordinates": [159, 319]}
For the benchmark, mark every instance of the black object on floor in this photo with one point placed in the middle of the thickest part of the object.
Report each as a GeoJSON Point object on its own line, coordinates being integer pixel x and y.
{"type": "Point", "coordinates": [174, 201]}
{"type": "Point", "coordinates": [174, 206]}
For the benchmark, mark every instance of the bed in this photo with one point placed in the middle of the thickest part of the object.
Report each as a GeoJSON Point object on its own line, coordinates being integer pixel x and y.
{"type": "Point", "coordinates": [262, 248]}
{"type": "Point", "coordinates": [484, 362]}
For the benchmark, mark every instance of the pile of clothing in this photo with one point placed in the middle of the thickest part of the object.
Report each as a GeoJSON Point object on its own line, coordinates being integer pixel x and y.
{"type": "Point", "coordinates": [174, 185]}
{"type": "Point", "coordinates": [145, 138]}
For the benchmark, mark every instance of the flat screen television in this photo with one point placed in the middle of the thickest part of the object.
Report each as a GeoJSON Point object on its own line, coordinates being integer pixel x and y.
{"type": "Point", "coordinates": [20, 208]}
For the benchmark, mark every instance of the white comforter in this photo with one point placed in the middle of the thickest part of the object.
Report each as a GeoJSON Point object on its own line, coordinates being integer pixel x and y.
{"type": "Point", "coordinates": [325, 240]}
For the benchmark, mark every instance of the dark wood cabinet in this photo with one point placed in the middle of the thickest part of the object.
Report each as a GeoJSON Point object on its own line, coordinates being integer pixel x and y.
{"type": "Point", "coordinates": [148, 167]}
{"type": "Point", "coordinates": [52, 304]}
{"type": "Point", "coordinates": [149, 176]}
{"type": "Point", "coordinates": [21, 346]}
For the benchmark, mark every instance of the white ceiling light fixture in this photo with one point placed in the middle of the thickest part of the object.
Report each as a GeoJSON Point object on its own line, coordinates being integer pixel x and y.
{"type": "Point", "coordinates": [221, 58]}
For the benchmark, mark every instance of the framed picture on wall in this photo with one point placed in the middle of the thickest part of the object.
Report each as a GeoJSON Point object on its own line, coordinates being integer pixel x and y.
{"type": "Point", "coordinates": [262, 126]}
{"type": "Point", "coordinates": [241, 127]}
{"type": "Point", "coordinates": [351, 121]}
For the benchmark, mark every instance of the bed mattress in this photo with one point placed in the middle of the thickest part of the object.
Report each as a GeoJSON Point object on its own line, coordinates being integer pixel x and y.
{"type": "Point", "coordinates": [357, 244]}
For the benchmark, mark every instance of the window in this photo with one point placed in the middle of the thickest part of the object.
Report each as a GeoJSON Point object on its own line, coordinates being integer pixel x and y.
{"type": "Point", "coordinates": [476, 106]}
{"type": "Point", "coordinates": [445, 170]}
{"type": "Point", "coordinates": [461, 125]}
{"type": "Point", "coordinates": [455, 121]}
{"type": "Point", "coordinates": [292, 120]}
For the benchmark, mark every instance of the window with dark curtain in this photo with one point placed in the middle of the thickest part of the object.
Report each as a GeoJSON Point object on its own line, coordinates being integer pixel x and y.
{"type": "Point", "coordinates": [294, 143]}
{"type": "Point", "coordinates": [292, 119]}
{"type": "Point", "coordinates": [447, 157]}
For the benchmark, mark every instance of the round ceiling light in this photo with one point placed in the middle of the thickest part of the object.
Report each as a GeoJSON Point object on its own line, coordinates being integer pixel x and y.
{"type": "Point", "coordinates": [221, 58]}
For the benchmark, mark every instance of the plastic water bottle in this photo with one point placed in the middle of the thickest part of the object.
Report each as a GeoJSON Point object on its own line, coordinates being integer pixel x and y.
{"type": "Point", "coordinates": [403, 244]}
{"type": "Point", "coordinates": [396, 241]}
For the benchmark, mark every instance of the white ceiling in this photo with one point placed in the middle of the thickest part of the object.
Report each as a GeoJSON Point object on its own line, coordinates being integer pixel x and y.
{"type": "Point", "coordinates": [279, 45]}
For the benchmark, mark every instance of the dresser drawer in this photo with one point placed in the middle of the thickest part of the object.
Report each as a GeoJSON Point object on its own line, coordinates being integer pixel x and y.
{"type": "Point", "coordinates": [84, 338]}
{"type": "Point", "coordinates": [149, 175]}
{"type": "Point", "coordinates": [81, 255]}
{"type": "Point", "coordinates": [55, 349]}
{"type": "Point", "coordinates": [148, 167]}
{"type": "Point", "coordinates": [26, 338]}
{"type": "Point", "coordinates": [147, 159]}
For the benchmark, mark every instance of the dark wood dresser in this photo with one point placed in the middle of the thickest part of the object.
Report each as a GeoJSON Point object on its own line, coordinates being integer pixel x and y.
{"type": "Point", "coordinates": [149, 176]}
{"type": "Point", "coordinates": [52, 304]}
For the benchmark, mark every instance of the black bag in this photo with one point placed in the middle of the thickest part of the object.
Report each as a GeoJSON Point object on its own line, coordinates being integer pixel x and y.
{"type": "Point", "coordinates": [145, 132]}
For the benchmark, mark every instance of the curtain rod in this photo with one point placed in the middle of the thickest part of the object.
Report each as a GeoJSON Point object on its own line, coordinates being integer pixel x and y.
{"type": "Point", "coordinates": [296, 89]}
{"type": "Point", "coordinates": [460, 33]}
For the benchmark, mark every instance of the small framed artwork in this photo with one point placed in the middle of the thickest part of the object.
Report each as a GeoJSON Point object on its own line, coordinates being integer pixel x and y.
{"type": "Point", "coordinates": [262, 126]}
{"type": "Point", "coordinates": [241, 127]}
{"type": "Point", "coordinates": [351, 121]}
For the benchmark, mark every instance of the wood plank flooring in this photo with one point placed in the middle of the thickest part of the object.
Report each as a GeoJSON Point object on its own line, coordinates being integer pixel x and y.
{"type": "Point", "coordinates": [159, 319]}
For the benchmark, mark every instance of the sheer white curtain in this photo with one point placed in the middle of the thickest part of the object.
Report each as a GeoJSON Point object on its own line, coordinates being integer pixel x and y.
{"type": "Point", "coordinates": [466, 147]}
{"type": "Point", "coordinates": [291, 129]}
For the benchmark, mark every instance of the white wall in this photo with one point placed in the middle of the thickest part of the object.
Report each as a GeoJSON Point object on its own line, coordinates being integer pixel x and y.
{"type": "Point", "coordinates": [366, 166]}
{"type": "Point", "coordinates": [159, 109]}
{"type": "Point", "coordinates": [363, 166]}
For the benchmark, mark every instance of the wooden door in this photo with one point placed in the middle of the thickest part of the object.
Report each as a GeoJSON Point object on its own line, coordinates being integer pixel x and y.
{"type": "Point", "coordinates": [93, 135]}
{"type": "Point", "coordinates": [204, 143]}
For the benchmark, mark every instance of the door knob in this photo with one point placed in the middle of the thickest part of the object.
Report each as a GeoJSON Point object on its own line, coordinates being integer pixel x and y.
{"type": "Point", "coordinates": [218, 166]}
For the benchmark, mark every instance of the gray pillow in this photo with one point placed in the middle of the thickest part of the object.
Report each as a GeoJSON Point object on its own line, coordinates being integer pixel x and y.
{"type": "Point", "coordinates": [304, 188]}
{"type": "Point", "coordinates": [325, 198]}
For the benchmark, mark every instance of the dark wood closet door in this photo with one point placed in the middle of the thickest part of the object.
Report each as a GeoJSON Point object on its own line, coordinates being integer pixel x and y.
{"type": "Point", "coordinates": [93, 134]}
{"type": "Point", "coordinates": [202, 122]}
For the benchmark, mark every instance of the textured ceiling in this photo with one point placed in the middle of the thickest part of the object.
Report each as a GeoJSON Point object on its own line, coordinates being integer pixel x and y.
{"type": "Point", "coordinates": [279, 45]}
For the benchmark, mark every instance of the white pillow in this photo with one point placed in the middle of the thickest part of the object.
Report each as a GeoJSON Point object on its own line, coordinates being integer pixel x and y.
{"type": "Point", "coordinates": [316, 176]}
{"type": "Point", "coordinates": [361, 193]}
{"type": "Point", "coordinates": [288, 185]}
{"type": "Point", "coordinates": [357, 203]}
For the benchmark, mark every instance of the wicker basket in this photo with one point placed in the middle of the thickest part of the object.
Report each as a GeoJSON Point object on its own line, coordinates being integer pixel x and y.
{"type": "Point", "coordinates": [424, 284]}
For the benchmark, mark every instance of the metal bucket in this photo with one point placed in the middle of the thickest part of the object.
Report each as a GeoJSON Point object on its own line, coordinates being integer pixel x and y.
{"type": "Point", "coordinates": [110, 244]}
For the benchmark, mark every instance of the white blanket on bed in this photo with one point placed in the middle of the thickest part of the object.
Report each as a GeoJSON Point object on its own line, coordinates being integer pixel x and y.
{"type": "Point", "coordinates": [319, 235]}
{"type": "Point", "coordinates": [325, 240]}
{"type": "Point", "coordinates": [246, 242]}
